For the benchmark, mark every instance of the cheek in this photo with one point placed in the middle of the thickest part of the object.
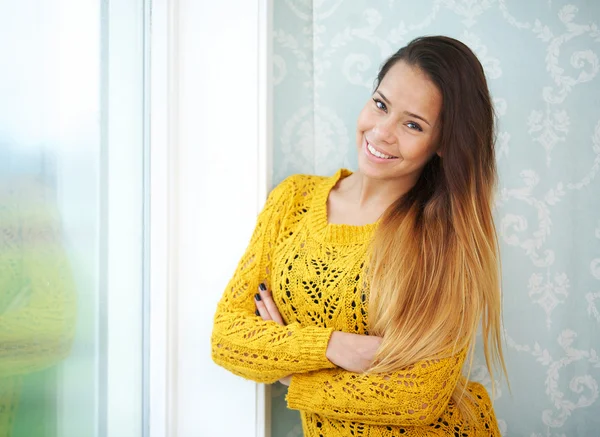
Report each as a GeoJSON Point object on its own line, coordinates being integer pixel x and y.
{"type": "Point", "coordinates": [416, 148]}
{"type": "Point", "coordinates": [362, 123]}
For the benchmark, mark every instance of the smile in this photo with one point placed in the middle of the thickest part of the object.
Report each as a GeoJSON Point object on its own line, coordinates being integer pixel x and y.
{"type": "Point", "coordinates": [373, 151]}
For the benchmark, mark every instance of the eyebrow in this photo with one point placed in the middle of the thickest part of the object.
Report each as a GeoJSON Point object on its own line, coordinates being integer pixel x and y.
{"type": "Point", "coordinates": [411, 114]}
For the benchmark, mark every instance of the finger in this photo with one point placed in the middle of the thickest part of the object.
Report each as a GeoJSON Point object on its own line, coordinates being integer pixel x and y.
{"type": "Point", "coordinates": [267, 299]}
{"type": "Point", "coordinates": [286, 380]}
{"type": "Point", "coordinates": [261, 308]}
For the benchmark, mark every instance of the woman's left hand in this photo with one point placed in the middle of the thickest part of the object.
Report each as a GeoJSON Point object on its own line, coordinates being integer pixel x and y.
{"type": "Point", "coordinates": [265, 305]}
{"type": "Point", "coordinates": [266, 308]}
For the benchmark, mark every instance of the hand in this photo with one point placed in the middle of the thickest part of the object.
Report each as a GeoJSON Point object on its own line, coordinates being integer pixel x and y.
{"type": "Point", "coordinates": [352, 352]}
{"type": "Point", "coordinates": [267, 310]}
{"type": "Point", "coordinates": [266, 307]}
{"type": "Point", "coordinates": [286, 381]}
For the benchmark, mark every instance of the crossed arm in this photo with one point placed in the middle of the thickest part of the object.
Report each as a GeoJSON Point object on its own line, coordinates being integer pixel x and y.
{"type": "Point", "coordinates": [416, 395]}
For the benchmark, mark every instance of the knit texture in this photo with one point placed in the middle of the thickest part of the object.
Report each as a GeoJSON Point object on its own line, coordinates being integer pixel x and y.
{"type": "Point", "coordinates": [315, 271]}
{"type": "Point", "coordinates": [37, 294]}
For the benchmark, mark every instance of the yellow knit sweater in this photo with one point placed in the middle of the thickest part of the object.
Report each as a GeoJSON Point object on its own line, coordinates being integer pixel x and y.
{"type": "Point", "coordinates": [314, 270]}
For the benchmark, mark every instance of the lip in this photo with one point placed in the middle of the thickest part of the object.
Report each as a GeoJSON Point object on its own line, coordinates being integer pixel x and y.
{"type": "Point", "coordinates": [376, 158]}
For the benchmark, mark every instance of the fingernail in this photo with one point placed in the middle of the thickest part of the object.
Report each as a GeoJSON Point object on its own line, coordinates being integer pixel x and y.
{"type": "Point", "coordinates": [257, 296]}
{"type": "Point", "coordinates": [262, 287]}
{"type": "Point", "coordinates": [257, 312]}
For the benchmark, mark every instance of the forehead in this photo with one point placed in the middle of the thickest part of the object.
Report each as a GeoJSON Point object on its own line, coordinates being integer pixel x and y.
{"type": "Point", "coordinates": [409, 89]}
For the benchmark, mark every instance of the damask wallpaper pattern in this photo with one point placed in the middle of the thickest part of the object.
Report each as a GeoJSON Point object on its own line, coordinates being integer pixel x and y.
{"type": "Point", "coordinates": [541, 58]}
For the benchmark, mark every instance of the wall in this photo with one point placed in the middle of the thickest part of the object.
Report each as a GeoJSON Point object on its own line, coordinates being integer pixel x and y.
{"type": "Point", "coordinates": [541, 60]}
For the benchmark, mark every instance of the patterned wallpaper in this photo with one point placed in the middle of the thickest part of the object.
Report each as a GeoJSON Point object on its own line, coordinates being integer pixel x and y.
{"type": "Point", "coordinates": [541, 60]}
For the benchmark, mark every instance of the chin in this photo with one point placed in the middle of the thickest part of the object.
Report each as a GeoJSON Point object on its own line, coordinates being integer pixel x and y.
{"type": "Point", "coordinates": [367, 168]}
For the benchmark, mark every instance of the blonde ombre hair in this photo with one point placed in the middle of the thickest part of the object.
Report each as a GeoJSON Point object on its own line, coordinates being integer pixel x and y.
{"type": "Point", "coordinates": [434, 263]}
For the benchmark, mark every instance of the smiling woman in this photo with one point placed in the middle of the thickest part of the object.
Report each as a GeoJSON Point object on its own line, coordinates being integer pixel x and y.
{"type": "Point", "coordinates": [364, 291]}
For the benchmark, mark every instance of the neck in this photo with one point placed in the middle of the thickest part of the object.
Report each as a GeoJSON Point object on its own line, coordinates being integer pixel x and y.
{"type": "Point", "coordinates": [370, 192]}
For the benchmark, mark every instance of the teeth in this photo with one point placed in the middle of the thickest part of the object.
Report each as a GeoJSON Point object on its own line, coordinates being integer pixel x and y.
{"type": "Point", "coordinates": [377, 153]}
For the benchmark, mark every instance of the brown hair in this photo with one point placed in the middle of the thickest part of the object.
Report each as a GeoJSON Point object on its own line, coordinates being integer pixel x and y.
{"type": "Point", "coordinates": [435, 267]}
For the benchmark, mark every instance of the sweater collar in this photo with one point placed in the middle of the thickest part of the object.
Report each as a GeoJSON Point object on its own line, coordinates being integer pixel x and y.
{"type": "Point", "coordinates": [335, 233]}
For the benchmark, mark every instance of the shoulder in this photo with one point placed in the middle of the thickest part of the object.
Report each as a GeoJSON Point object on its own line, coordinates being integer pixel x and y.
{"type": "Point", "coordinates": [294, 195]}
{"type": "Point", "coordinates": [297, 186]}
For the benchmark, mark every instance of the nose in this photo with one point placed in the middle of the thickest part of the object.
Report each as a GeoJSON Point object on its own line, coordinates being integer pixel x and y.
{"type": "Point", "coordinates": [385, 131]}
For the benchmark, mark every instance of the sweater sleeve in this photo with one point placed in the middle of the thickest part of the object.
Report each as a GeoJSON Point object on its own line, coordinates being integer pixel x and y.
{"type": "Point", "coordinates": [37, 327]}
{"type": "Point", "coordinates": [242, 342]}
{"type": "Point", "coordinates": [414, 396]}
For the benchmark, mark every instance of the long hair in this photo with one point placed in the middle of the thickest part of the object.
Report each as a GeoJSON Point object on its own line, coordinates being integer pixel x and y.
{"type": "Point", "coordinates": [434, 263]}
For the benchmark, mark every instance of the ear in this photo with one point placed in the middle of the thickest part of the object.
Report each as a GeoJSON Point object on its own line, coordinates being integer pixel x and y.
{"type": "Point", "coordinates": [438, 147]}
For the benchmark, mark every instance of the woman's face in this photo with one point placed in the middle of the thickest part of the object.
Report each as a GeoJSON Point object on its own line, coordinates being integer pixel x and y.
{"type": "Point", "coordinates": [397, 130]}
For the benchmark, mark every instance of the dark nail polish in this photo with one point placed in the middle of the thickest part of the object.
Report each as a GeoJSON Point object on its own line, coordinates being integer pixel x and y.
{"type": "Point", "coordinates": [257, 312]}
{"type": "Point", "coordinates": [263, 287]}
{"type": "Point", "coordinates": [257, 296]}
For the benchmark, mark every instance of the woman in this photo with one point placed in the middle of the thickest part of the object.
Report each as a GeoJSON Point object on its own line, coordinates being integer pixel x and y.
{"type": "Point", "coordinates": [364, 291]}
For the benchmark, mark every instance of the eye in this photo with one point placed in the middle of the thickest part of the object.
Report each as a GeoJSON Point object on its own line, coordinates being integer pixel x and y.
{"type": "Point", "coordinates": [380, 105]}
{"type": "Point", "coordinates": [415, 126]}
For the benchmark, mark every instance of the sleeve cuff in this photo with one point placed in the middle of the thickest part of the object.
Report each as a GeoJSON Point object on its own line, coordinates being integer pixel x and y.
{"type": "Point", "coordinates": [313, 347]}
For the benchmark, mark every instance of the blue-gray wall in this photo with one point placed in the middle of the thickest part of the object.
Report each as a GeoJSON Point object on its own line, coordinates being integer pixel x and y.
{"type": "Point", "coordinates": [541, 60]}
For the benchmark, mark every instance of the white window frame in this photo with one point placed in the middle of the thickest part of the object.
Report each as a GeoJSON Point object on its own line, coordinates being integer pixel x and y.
{"type": "Point", "coordinates": [184, 400]}
{"type": "Point", "coordinates": [108, 248]}
{"type": "Point", "coordinates": [162, 70]}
